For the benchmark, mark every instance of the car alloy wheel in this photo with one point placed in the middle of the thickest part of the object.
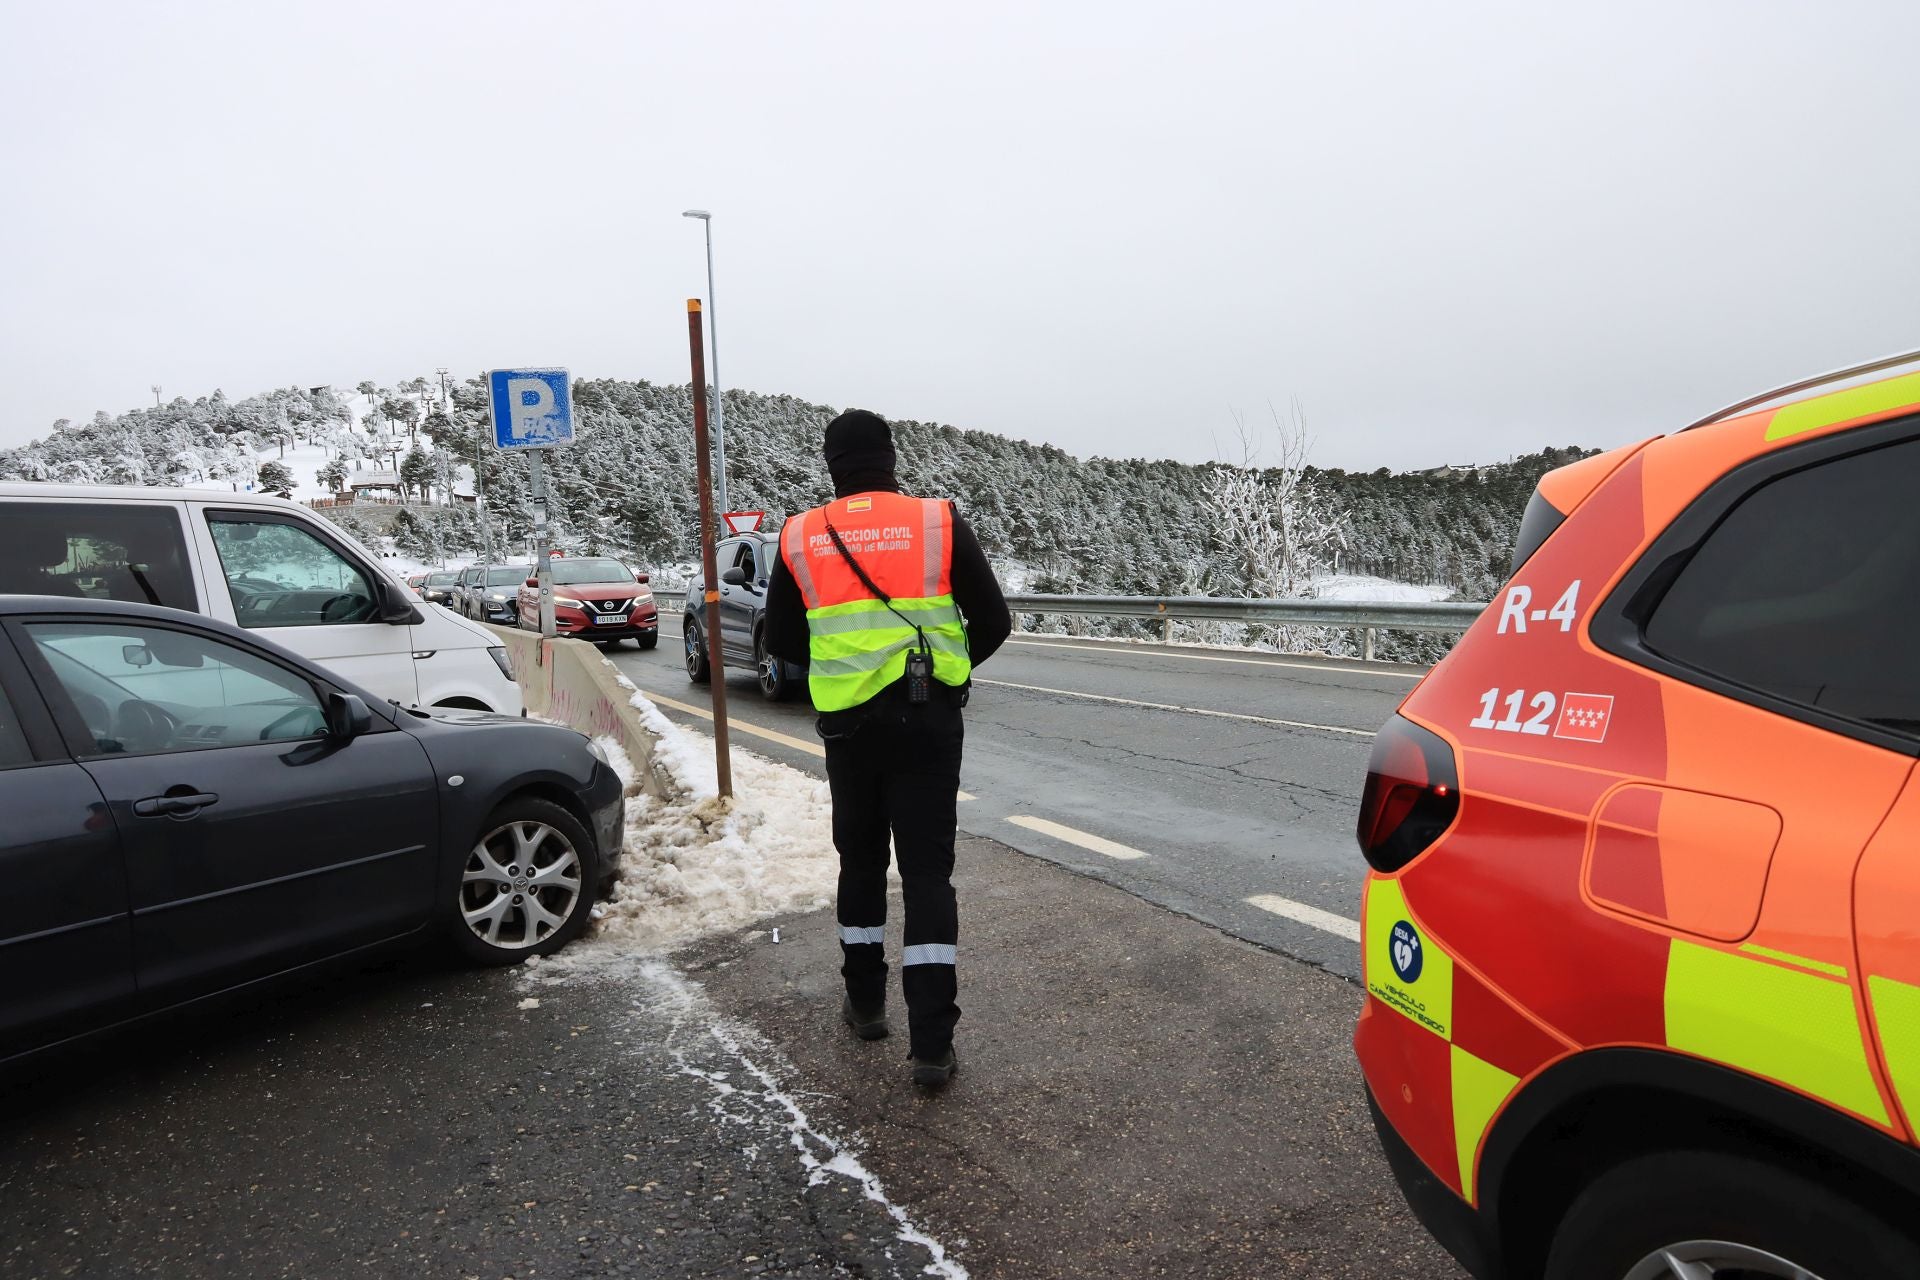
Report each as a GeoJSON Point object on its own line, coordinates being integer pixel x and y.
{"type": "Point", "coordinates": [774, 684]}
{"type": "Point", "coordinates": [1715, 1260]}
{"type": "Point", "coordinates": [521, 885]}
{"type": "Point", "coordinates": [699, 669]}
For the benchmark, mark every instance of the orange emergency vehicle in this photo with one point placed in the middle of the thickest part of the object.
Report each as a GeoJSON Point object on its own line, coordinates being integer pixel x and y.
{"type": "Point", "coordinates": [1641, 939]}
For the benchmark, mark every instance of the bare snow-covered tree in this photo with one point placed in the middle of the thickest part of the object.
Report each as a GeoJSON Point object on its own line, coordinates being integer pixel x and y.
{"type": "Point", "coordinates": [1271, 519]}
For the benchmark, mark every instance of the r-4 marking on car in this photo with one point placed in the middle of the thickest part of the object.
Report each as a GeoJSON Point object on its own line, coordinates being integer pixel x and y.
{"type": "Point", "coordinates": [1514, 609]}
{"type": "Point", "coordinates": [1542, 705]}
{"type": "Point", "coordinates": [1584, 717]}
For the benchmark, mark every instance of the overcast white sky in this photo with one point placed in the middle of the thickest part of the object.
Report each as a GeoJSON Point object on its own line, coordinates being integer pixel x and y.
{"type": "Point", "coordinates": [1455, 232]}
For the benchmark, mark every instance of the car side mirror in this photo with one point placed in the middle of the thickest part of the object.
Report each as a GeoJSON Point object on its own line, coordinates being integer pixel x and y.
{"type": "Point", "coordinates": [643, 578]}
{"type": "Point", "coordinates": [347, 716]}
{"type": "Point", "coordinates": [734, 577]}
{"type": "Point", "coordinates": [396, 608]}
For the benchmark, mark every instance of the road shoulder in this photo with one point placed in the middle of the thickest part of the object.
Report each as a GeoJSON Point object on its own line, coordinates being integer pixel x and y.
{"type": "Point", "coordinates": [1139, 1094]}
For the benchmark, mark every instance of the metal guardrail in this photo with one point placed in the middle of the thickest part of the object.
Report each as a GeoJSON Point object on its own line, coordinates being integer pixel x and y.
{"type": "Point", "coordinates": [1385, 615]}
{"type": "Point", "coordinates": [1368, 616]}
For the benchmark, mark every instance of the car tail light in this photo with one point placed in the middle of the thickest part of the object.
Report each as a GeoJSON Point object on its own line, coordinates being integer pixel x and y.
{"type": "Point", "coordinates": [1412, 795]}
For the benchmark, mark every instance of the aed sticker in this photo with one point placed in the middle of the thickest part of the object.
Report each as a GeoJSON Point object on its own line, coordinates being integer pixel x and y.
{"type": "Point", "coordinates": [859, 504]}
{"type": "Point", "coordinates": [1404, 951]}
{"type": "Point", "coordinates": [1402, 971]}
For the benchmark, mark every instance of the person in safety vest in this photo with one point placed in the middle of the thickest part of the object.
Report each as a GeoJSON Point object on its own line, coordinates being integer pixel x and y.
{"type": "Point", "coordinates": [890, 602]}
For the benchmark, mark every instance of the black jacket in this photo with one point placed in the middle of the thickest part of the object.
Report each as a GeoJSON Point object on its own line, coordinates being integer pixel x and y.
{"type": "Point", "coordinates": [975, 590]}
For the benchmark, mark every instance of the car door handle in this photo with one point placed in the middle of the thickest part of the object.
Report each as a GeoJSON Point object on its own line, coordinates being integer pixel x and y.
{"type": "Point", "coordinates": [174, 806]}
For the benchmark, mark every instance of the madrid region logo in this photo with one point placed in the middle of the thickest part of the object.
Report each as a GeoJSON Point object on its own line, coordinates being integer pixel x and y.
{"type": "Point", "coordinates": [1403, 949]}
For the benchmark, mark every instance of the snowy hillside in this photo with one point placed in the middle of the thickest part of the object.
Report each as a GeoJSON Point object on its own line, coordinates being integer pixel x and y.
{"type": "Point", "coordinates": [1052, 522]}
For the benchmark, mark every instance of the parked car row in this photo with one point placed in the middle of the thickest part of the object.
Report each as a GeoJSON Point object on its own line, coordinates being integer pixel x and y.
{"type": "Point", "coordinates": [594, 598]}
{"type": "Point", "coordinates": [232, 744]}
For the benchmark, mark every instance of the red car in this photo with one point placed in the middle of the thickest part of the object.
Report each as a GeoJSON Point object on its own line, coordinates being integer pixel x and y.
{"type": "Point", "coordinates": [595, 599]}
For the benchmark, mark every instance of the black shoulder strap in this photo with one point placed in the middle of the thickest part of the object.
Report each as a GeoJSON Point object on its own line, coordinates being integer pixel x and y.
{"type": "Point", "coordinates": [869, 584]}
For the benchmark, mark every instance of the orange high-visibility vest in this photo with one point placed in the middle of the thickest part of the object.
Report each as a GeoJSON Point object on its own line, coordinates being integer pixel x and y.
{"type": "Point", "coordinates": [857, 646]}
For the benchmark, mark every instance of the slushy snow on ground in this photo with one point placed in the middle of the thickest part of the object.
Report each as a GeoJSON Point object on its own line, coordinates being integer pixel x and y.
{"type": "Point", "coordinates": [695, 866]}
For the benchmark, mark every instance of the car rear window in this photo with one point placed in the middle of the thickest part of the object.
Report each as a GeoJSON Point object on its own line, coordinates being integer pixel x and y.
{"type": "Point", "coordinates": [1805, 590]}
{"type": "Point", "coordinates": [97, 550]}
{"type": "Point", "coordinates": [1537, 524]}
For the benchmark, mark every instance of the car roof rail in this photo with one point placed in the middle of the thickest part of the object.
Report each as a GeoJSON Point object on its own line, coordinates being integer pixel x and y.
{"type": "Point", "coordinates": [1807, 384]}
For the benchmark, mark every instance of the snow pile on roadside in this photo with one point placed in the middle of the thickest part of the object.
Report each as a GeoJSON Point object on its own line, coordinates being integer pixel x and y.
{"type": "Point", "coordinates": [695, 866]}
{"type": "Point", "coordinates": [1357, 586]}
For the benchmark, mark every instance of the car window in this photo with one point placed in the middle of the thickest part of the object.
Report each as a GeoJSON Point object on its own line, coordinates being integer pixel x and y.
{"type": "Point", "coordinates": [13, 739]}
{"type": "Point", "coordinates": [742, 558]}
{"type": "Point", "coordinates": [143, 689]}
{"type": "Point", "coordinates": [511, 575]}
{"type": "Point", "coordinates": [100, 550]}
{"type": "Point", "coordinates": [279, 575]}
{"type": "Point", "coordinates": [439, 579]}
{"type": "Point", "coordinates": [1809, 590]}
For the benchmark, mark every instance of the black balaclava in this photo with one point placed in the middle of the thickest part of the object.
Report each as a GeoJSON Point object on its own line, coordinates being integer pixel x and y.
{"type": "Point", "coordinates": [859, 450]}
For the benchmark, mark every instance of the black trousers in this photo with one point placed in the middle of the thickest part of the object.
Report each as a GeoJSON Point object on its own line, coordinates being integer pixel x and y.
{"type": "Point", "coordinates": [894, 770]}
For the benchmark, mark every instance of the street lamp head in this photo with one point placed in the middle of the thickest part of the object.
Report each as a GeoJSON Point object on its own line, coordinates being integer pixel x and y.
{"type": "Point", "coordinates": [701, 214]}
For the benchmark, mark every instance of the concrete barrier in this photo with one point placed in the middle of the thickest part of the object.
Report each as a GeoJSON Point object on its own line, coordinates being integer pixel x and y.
{"type": "Point", "coordinates": [568, 681]}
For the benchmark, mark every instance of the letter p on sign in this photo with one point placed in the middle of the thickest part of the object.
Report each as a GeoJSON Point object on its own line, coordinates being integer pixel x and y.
{"type": "Point", "coordinates": [532, 408]}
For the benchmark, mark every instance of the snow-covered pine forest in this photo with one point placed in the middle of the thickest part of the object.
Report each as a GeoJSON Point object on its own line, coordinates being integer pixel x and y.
{"type": "Point", "coordinates": [1060, 523]}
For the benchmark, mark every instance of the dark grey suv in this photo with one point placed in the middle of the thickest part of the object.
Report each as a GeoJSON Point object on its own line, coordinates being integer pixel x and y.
{"type": "Point", "coordinates": [746, 567]}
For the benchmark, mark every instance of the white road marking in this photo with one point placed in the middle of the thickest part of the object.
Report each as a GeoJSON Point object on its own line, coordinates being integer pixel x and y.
{"type": "Point", "coordinates": [1097, 844]}
{"type": "Point", "coordinates": [771, 735]}
{"type": "Point", "coordinates": [1338, 926]}
{"type": "Point", "coordinates": [1209, 657]}
{"type": "Point", "coordinates": [1168, 706]}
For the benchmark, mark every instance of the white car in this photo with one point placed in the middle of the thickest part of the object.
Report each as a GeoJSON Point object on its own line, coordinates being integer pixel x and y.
{"type": "Point", "coordinates": [262, 563]}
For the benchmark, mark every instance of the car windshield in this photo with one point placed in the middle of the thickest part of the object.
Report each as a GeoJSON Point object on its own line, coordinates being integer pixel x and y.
{"type": "Point", "coordinates": [441, 579]}
{"type": "Point", "coordinates": [506, 575]}
{"type": "Point", "coordinates": [573, 573]}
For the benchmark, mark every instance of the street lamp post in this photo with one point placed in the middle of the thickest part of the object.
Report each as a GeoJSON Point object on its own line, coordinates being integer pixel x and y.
{"type": "Point", "coordinates": [713, 344]}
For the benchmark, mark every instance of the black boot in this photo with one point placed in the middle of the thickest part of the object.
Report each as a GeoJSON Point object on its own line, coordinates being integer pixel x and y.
{"type": "Point", "coordinates": [934, 1072]}
{"type": "Point", "coordinates": [868, 1024]}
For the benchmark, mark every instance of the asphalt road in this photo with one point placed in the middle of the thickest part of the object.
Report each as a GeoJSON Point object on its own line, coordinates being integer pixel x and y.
{"type": "Point", "coordinates": [406, 1119]}
{"type": "Point", "coordinates": [1140, 1094]}
{"type": "Point", "coordinates": [1223, 777]}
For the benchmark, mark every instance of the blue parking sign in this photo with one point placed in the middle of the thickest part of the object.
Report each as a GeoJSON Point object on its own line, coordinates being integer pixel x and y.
{"type": "Point", "coordinates": [532, 408]}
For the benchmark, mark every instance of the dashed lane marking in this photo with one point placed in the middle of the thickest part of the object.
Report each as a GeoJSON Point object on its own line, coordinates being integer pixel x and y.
{"type": "Point", "coordinates": [1097, 844]}
{"type": "Point", "coordinates": [771, 735]}
{"type": "Point", "coordinates": [1145, 650]}
{"type": "Point", "coordinates": [1338, 926]}
{"type": "Point", "coordinates": [1168, 706]}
